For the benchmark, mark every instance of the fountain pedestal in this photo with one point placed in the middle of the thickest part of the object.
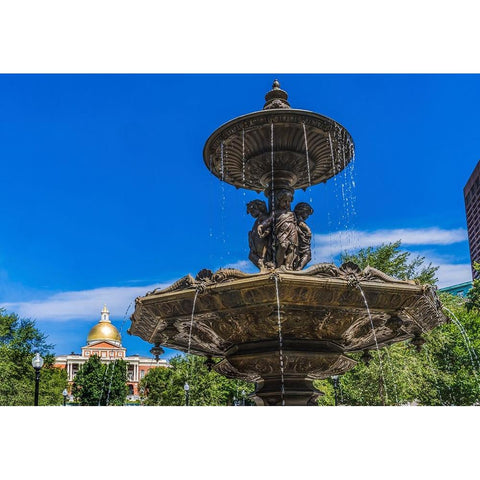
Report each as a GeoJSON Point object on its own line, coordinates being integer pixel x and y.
{"type": "Point", "coordinates": [286, 377]}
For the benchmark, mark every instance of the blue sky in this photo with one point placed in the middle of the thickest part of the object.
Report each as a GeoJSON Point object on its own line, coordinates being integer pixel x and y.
{"type": "Point", "coordinates": [105, 194]}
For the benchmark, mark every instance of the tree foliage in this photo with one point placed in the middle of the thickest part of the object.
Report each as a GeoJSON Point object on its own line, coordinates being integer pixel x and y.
{"type": "Point", "coordinates": [165, 386]}
{"type": "Point", "coordinates": [473, 295]}
{"type": "Point", "coordinates": [99, 384]}
{"type": "Point", "coordinates": [19, 341]}
{"type": "Point", "coordinates": [390, 259]}
{"type": "Point", "coordinates": [445, 371]}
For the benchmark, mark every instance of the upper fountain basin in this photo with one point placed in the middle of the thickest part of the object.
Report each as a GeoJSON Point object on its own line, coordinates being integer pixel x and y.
{"type": "Point", "coordinates": [240, 151]}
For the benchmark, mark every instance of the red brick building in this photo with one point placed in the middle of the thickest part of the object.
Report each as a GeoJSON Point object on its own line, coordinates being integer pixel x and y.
{"type": "Point", "coordinates": [471, 194]}
{"type": "Point", "coordinates": [105, 341]}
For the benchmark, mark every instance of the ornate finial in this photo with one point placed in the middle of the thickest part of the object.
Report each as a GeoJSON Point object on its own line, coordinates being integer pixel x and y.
{"type": "Point", "coordinates": [276, 97]}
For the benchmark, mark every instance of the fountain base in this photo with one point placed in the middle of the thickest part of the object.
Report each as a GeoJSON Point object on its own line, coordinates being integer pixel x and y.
{"type": "Point", "coordinates": [283, 329]}
{"type": "Point", "coordinates": [286, 379]}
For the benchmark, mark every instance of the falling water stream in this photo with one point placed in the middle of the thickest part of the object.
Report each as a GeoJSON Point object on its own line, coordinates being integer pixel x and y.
{"type": "Point", "coordinates": [280, 341]}
{"type": "Point", "coordinates": [375, 338]}
{"type": "Point", "coordinates": [308, 162]}
{"type": "Point", "coordinates": [471, 351]}
{"type": "Point", "coordinates": [272, 186]}
{"type": "Point", "coordinates": [395, 389]}
{"type": "Point", "coordinates": [244, 193]}
{"type": "Point", "coordinates": [189, 367]}
{"type": "Point", "coordinates": [223, 200]}
{"type": "Point", "coordinates": [307, 159]}
{"type": "Point", "coordinates": [279, 320]}
{"type": "Point", "coordinates": [344, 190]}
{"type": "Point", "coordinates": [348, 195]}
{"type": "Point", "coordinates": [243, 161]}
{"type": "Point", "coordinates": [103, 384]}
{"type": "Point", "coordinates": [191, 327]}
{"type": "Point", "coordinates": [210, 229]}
{"type": "Point", "coordinates": [336, 189]}
{"type": "Point", "coordinates": [434, 374]}
{"type": "Point", "coordinates": [468, 344]}
{"type": "Point", "coordinates": [222, 171]}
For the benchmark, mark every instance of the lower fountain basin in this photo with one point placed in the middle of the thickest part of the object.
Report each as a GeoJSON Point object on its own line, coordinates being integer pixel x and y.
{"type": "Point", "coordinates": [323, 316]}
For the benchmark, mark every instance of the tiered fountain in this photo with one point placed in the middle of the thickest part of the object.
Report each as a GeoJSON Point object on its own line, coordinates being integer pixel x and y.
{"type": "Point", "coordinates": [285, 326]}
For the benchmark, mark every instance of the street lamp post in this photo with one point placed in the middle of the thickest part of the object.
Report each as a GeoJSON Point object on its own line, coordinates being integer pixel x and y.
{"type": "Point", "coordinates": [186, 387]}
{"type": "Point", "coordinates": [65, 395]}
{"type": "Point", "coordinates": [37, 364]}
{"type": "Point", "coordinates": [156, 351]}
{"type": "Point", "coordinates": [335, 388]}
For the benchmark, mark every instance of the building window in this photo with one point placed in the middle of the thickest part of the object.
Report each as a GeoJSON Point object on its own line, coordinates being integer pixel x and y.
{"type": "Point", "coordinates": [142, 373]}
{"type": "Point", "coordinates": [104, 354]}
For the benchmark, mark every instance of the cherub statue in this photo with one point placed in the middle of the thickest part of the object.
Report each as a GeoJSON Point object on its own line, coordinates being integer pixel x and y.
{"type": "Point", "coordinates": [285, 236]}
{"type": "Point", "coordinates": [304, 252]}
{"type": "Point", "coordinates": [259, 243]}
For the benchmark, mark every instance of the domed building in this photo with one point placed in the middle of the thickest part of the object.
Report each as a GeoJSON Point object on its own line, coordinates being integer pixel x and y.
{"type": "Point", "coordinates": [104, 331]}
{"type": "Point", "coordinates": [105, 341]}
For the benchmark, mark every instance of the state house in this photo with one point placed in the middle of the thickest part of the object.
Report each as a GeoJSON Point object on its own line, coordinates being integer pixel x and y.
{"type": "Point", "coordinates": [105, 341]}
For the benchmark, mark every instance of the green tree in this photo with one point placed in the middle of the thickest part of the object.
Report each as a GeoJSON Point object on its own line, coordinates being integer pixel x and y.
{"type": "Point", "coordinates": [19, 340]}
{"type": "Point", "coordinates": [390, 259]}
{"type": "Point", "coordinates": [453, 353]}
{"type": "Point", "coordinates": [444, 372]}
{"type": "Point", "coordinates": [102, 384]}
{"type": "Point", "coordinates": [165, 386]}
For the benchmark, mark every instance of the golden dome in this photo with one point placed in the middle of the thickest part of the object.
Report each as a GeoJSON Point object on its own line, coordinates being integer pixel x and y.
{"type": "Point", "coordinates": [104, 330]}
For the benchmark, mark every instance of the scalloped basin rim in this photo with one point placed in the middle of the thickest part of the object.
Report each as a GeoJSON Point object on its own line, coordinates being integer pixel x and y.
{"type": "Point", "coordinates": [266, 279]}
{"type": "Point", "coordinates": [230, 311]}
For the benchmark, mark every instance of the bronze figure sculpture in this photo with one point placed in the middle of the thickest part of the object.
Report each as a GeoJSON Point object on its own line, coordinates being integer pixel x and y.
{"type": "Point", "coordinates": [259, 239]}
{"type": "Point", "coordinates": [304, 254]}
{"type": "Point", "coordinates": [281, 238]}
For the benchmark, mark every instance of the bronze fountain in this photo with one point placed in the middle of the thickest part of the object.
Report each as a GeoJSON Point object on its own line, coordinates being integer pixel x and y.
{"type": "Point", "coordinates": [285, 326]}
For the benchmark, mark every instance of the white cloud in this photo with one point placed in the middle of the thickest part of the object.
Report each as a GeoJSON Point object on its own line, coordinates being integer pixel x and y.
{"type": "Point", "coordinates": [452, 274]}
{"type": "Point", "coordinates": [86, 304]}
{"type": "Point", "coordinates": [243, 265]}
{"type": "Point", "coordinates": [449, 273]}
{"type": "Point", "coordinates": [83, 304]}
{"type": "Point", "coordinates": [327, 246]}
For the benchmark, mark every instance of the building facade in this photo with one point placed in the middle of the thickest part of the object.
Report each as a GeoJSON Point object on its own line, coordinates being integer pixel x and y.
{"type": "Point", "coordinates": [105, 341]}
{"type": "Point", "coordinates": [471, 194]}
{"type": "Point", "coordinates": [460, 290]}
